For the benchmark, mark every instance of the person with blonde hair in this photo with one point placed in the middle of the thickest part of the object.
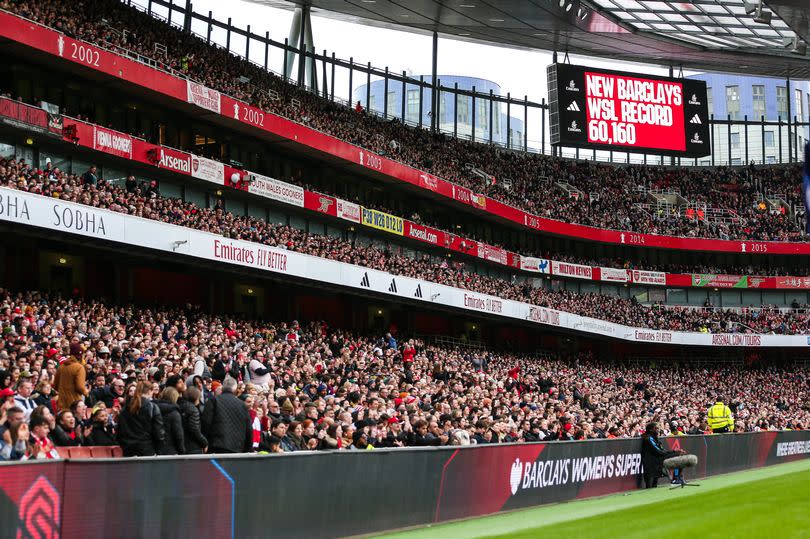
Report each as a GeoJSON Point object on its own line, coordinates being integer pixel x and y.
{"type": "Point", "coordinates": [172, 422]}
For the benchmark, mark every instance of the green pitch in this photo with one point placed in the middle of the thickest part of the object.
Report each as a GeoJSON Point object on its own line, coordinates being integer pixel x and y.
{"type": "Point", "coordinates": [766, 502]}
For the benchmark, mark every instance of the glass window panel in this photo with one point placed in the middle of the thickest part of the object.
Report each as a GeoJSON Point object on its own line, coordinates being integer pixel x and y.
{"type": "Point", "coordinates": [735, 141]}
{"type": "Point", "coordinates": [257, 211]}
{"type": "Point", "coordinates": [6, 150]}
{"type": "Point", "coordinates": [713, 8]}
{"type": "Point", "coordinates": [732, 21]}
{"type": "Point", "coordinates": [781, 102]}
{"type": "Point", "coordinates": [238, 42]}
{"type": "Point", "coordinates": [629, 4]}
{"type": "Point", "coordinates": [412, 105]}
{"type": "Point", "coordinates": [758, 100]}
{"type": "Point", "coordinates": [701, 19]}
{"type": "Point", "coordinates": [195, 196]}
{"type": "Point", "coordinates": [277, 216]}
{"type": "Point", "coordinates": [648, 16]}
{"type": "Point", "coordinates": [463, 112]}
{"type": "Point", "coordinates": [391, 103]}
{"type": "Point", "coordinates": [674, 17]}
{"type": "Point", "coordinates": [658, 6]}
{"type": "Point", "coordinates": [171, 190]}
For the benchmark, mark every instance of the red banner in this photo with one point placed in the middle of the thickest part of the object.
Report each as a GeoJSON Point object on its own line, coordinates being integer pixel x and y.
{"type": "Point", "coordinates": [792, 282]}
{"type": "Point", "coordinates": [320, 203]}
{"type": "Point", "coordinates": [683, 280]}
{"type": "Point", "coordinates": [112, 142]}
{"type": "Point", "coordinates": [762, 282]}
{"type": "Point", "coordinates": [424, 233]}
{"type": "Point", "coordinates": [174, 160]}
{"type": "Point", "coordinates": [462, 194]}
{"type": "Point", "coordinates": [31, 117]}
{"type": "Point", "coordinates": [428, 181]}
{"type": "Point", "coordinates": [462, 245]}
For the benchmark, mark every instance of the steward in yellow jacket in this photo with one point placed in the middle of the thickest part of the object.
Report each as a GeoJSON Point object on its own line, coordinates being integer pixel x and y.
{"type": "Point", "coordinates": [720, 418]}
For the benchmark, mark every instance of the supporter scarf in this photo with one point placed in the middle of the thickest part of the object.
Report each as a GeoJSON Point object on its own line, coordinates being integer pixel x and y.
{"type": "Point", "coordinates": [806, 186]}
{"type": "Point", "coordinates": [257, 429]}
{"type": "Point", "coordinates": [44, 443]}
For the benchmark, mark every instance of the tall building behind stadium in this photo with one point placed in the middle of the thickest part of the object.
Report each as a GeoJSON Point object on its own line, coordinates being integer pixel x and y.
{"type": "Point", "coordinates": [752, 99]}
{"type": "Point", "coordinates": [456, 115]}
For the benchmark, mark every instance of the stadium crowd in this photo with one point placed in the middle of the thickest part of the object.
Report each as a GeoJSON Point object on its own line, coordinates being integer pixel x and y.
{"type": "Point", "coordinates": [176, 381]}
{"type": "Point", "coordinates": [607, 196]}
{"type": "Point", "coordinates": [145, 201]}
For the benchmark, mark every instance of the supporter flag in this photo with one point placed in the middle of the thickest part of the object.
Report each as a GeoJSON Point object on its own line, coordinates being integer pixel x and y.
{"type": "Point", "coordinates": [806, 182]}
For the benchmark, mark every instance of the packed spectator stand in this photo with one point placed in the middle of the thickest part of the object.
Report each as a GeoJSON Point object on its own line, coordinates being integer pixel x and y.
{"type": "Point", "coordinates": [162, 380]}
{"type": "Point", "coordinates": [145, 201]}
{"type": "Point", "coordinates": [81, 377]}
{"type": "Point", "coordinates": [612, 196]}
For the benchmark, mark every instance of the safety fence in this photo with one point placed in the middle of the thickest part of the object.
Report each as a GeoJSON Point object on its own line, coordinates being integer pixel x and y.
{"type": "Point", "coordinates": [340, 493]}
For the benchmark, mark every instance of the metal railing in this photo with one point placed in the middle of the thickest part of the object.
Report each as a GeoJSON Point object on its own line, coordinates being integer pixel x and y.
{"type": "Point", "coordinates": [447, 341]}
{"type": "Point", "coordinates": [326, 65]}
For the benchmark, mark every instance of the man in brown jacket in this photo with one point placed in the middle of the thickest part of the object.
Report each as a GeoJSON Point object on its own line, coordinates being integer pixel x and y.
{"type": "Point", "coordinates": [70, 377]}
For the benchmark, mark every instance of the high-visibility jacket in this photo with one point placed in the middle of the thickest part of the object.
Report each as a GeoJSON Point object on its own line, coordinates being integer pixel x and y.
{"type": "Point", "coordinates": [719, 416]}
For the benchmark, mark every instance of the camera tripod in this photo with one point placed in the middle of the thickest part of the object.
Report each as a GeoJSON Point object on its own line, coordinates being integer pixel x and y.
{"type": "Point", "coordinates": [682, 483]}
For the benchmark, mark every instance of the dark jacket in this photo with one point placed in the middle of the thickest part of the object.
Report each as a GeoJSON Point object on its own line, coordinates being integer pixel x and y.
{"type": "Point", "coordinates": [62, 438]}
{"type": "Point", "coordinates": [173, 425]}
{"type": "Point", "coordinates": [104, 394]}
{"type": "Point", "coordinates": [653, 455]}
{"type": "Point", "coordinates": [192, 429]}
{"type": "Point", "coordinates": [141, 434]}
{"type": "Point", "coordinates": [226, 424]}
{"type": "Point", "coordinates": [101, 435]}
{"type": "Point", "coordinates": [421, 441]}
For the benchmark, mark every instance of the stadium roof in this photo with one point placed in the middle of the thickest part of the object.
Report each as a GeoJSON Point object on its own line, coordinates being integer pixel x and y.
{"type": "Point", "coordinates": [704, 35]}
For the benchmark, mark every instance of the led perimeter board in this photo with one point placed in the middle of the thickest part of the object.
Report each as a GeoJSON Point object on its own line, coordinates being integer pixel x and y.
{"type": "Point", "coordinates": [627, 112]}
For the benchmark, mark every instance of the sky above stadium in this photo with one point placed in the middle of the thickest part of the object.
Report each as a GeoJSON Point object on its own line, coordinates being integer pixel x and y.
{"type": "Point", "coordinates": [519, 72]}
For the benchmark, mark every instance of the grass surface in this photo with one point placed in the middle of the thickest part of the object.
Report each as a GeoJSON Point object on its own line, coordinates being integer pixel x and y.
{"type": "Point", "coordinates": [766, 502]}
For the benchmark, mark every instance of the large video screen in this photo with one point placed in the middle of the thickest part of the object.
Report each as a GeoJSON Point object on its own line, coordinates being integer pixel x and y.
{"type": "Point", "coordinates": [627, 112]}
